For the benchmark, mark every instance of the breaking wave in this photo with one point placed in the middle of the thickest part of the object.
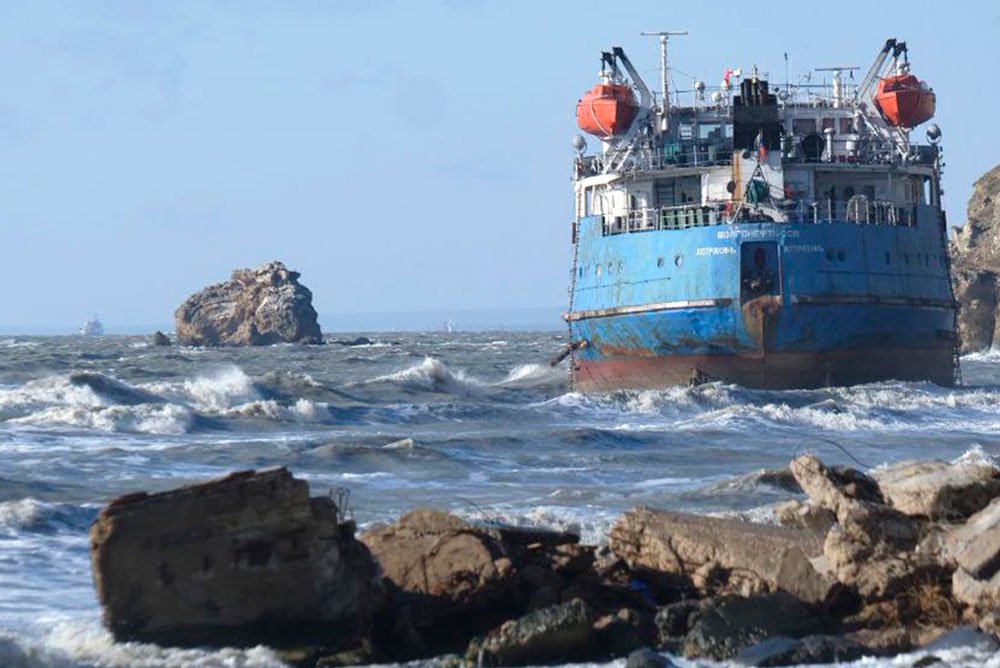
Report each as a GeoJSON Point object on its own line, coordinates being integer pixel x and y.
{"type": "Point", "coordinates": [85, 645]}
{"type": "Point", "coordinates": [432, 375]}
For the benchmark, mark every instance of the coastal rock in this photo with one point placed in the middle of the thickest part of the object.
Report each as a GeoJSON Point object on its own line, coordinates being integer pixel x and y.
{"type": "Point", "coordinates": [450, 579]}
{"type": "Point", "coordinates": [857, 502]}
{"type": "Point", "coordinates": [976, 265]}
{"type": "Point", "coordinates": [558, 634]}
{"type": "Point", "coordinates": [254, 307]}
{"type": "Point", "coordinates": [814, 649]}
{"type": "Point", "coordinates": [975, 548]}
{"type": "Point", "coordinates": [977, 292]}
{"type": "Point", "coordinates": [808, 516]}
{"type": "Point", "coordinates": [160, 339]}
{"type": "Point", "coordinates": [723, 630]}
{"type": "Point", "coordinates": [714, 554]}
{"type": "Point", "coordinates": [939, 490]}
{"type": "Point", "coordinates": [241, 560]}
{"type": "Point", "coordinates": [647, 658]}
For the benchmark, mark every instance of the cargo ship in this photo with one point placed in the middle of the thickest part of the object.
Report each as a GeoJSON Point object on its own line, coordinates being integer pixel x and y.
{"type": "Point", "coordinates": [775, 236]}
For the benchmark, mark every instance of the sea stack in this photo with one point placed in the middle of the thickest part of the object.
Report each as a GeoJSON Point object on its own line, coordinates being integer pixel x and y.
{"type": "Point", "coordinates": [255, 307]}
{"type": "Point", "coordinates": [976, 266]}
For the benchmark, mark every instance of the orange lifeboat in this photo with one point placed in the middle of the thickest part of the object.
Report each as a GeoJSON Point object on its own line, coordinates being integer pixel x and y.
{"type": "Point", "coordinates": [606, 110]}
{"type": "Point", "coordinates": [904, 100]}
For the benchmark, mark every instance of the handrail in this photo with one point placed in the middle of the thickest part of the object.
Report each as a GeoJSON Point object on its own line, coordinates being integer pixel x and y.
{"type": "Point", "coordinates": [857, 210]}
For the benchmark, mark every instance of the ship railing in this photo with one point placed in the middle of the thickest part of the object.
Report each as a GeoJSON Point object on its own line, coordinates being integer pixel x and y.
{"type": "Point", "coordinates": [857, 210]}
{"type": "Point", "coordinates": [670, 156]}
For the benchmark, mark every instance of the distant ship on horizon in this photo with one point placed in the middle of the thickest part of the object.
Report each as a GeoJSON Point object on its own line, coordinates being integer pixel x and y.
{"type": "Point", "coordinates": [92, 327]}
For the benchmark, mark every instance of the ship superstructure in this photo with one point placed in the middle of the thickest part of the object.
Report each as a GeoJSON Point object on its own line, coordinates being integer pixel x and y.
{"type": "Point", "coordinates": [775, 236]}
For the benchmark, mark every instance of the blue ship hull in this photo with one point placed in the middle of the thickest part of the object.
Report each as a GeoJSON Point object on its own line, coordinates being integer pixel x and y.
{"type": "Point", "coordinates": [768, 305]}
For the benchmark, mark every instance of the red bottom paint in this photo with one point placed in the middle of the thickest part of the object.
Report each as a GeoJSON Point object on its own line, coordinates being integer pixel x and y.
{"type": "Point", "coordinates": [773, 371]}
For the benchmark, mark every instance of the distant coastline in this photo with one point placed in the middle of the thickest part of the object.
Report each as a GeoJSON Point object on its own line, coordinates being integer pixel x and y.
{"type": "Point", "coordinates": [468, 320]}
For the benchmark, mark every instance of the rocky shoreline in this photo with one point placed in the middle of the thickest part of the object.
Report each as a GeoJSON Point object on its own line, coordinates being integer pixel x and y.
{"type": "Point", "coordinates": [862, 565]}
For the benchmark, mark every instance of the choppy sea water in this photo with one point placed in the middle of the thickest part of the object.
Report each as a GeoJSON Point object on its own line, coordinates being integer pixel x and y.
{"type": "Point", "coordinates": [475, 423]}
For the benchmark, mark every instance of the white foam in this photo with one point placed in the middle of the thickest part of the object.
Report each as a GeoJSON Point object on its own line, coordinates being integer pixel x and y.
{"type": "Point", "coordinates": [141, 418]}
{"type": "Point", "coordinates": [302, 411]}
{"type": "Point", "coordinates": [23, 513]}
{"type": "Point", "coordinates": [432, 374]}
{"type": "Point", "coordinates": [79, 644]}
{"type": "Point", "coordinates": [533, 375]}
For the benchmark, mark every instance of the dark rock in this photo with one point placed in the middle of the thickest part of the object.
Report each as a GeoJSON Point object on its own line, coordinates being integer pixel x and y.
{"type": "Point", "coordinates": [621, 633]}
{"type": "Point", "coordinates": [559, 634]}
{"type": "Point", "coordinates": [255, 307]}
{"type": "Point", "coordinates": [243, 560]}
{"type": "Point", "coordinates": [734, 623]}
{"type": "Point", "coordinates": [359, 341]}
{"type": "Point", "coordinates": [782, 651]}
{"type": "Point", "coordinates": [675, 620]}
{"type": "Point", "coordinates": [450, 580]}
{"type": "Point", "coordinates": [925, 661]}
{"type": "Point", "coordinates": [647, 658]}
{"type": "Point", "coordinates": [160, 339]}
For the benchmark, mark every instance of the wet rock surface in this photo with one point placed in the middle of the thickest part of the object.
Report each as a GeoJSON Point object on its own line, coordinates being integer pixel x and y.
{"type": "Point", "coordinates": [255, 307]}
{"type": "Point", "coordinates": [252, 559]}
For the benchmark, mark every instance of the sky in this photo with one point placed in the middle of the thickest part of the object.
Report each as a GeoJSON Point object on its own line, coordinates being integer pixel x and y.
{"type": "Point", "coordinates": [403, 156]}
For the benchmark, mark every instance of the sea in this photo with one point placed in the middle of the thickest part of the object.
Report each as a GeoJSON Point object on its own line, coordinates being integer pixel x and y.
{"type": "Point", "coordinates": [476, 423]}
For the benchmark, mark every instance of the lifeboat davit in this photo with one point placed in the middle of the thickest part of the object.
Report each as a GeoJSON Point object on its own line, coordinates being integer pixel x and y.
{"type": "Point", "coordinates": [606, 110]}
{"type": "Point", "coordinates": [904, 100]}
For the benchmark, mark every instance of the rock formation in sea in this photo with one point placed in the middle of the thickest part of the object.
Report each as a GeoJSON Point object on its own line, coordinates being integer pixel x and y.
{"type": "Point", "coordinates": [244, 559]}
{"type": "Point", "coordinates": [255, 307]}
{"type": "Point", "coordinates": [975, 252]}
{"type": "Point", "coordinates": [863, 565]}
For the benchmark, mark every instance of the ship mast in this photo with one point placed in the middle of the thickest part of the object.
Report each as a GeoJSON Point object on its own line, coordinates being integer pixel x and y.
{"type": "Point", "coordinates": [664, 78]}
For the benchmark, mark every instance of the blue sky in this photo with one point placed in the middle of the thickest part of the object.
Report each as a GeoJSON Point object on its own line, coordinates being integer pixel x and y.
{"type": "Point", "coordinates": [404, 156]}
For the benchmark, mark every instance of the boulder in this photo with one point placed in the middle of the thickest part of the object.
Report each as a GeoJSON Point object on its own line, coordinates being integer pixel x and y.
{"type": "Point", "coordinates": [450, 579]}
{"type": "Point", "coordinates": [734, 623]}
{"type": "Point", "coordinates": [858, 504]}
{"type": "Point", "coordinates": [975, 549]}
{"type": "Point", "coordinates": [714, 554]}
{"type": "Point", "coordinates": [255, 307]}
{"type": "Point", "coordinates": [782, 651]}
{"type": "Point", "coordinates": [939, 490]}
{"type": "Point", "coordinates": [647, 658]}
{"type": "Point", "coordinates": [558, 634]}
{"type": "Point", "coordinates": [160, 339]}
{"type": "Point", "coordinates": [965, 637]}
{"type": "Point", "coordinates": [243, 560]}
{"type": "Point", "coordinates": [798, 515]}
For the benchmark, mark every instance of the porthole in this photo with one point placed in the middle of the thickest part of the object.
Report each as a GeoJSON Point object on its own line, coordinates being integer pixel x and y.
{"type": "Point", "coordinates": [621, 265]}
{"type": "Point", "coordinates": [660, 262]}
{"type": "Point", "coordinates": [597, 271]}
{"type": "Point", "coordinates": [611, 267]}
{"type": "Point", "coordinates": [678, 260]}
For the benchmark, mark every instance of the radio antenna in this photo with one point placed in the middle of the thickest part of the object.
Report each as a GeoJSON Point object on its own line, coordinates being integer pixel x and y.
{"type": "Point", "coordinates": [664, 87]}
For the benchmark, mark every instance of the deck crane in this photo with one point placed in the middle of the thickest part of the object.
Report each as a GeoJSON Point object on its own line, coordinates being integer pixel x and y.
{"type": "Point", "coordinates": [646, 106]}
{"type": "Point", "coordinates": [867, 85]}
